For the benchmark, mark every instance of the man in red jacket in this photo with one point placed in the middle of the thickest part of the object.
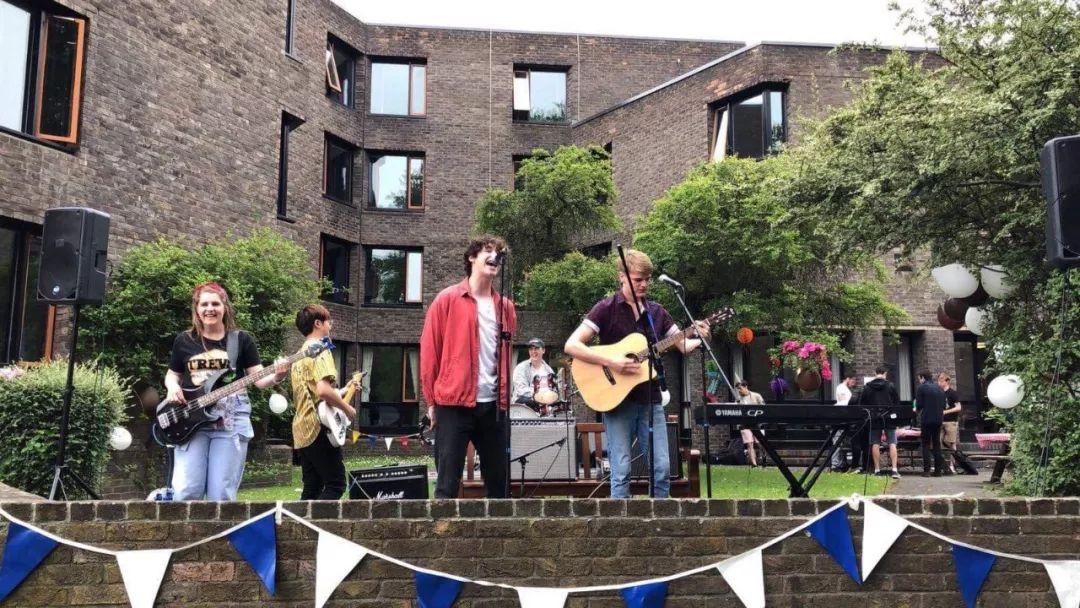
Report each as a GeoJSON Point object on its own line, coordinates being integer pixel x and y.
{"type": "Point", "coordinates": [458, 372]}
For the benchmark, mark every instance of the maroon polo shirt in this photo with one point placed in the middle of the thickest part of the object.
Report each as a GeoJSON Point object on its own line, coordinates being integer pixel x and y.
{"type": "Point", "coordinates": [613, 319]}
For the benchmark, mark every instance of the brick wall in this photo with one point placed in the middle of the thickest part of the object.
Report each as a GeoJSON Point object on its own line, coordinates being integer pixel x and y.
{"type": "Point", "coordinates": [551, 543]}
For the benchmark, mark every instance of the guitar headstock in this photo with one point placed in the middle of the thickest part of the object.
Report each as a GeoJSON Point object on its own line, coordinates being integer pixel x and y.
{"type": "Point", "coordinates": [721, 316]}
{"type": "Point", "coordinates": [358, 378]}
{"type": "Point", "coordinates": [317, 347]}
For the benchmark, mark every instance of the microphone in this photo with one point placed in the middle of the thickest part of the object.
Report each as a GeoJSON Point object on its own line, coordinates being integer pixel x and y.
{"type": "Point", "coordinates": [663, 278]}
{"type": "Point", "coordinates": [498, 259]}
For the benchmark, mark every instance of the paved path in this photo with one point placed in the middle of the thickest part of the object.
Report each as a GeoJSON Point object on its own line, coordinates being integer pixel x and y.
{"type": "Point", "coordinates": [10, 494]}
{"type": "Point", "coordinates": [971, 486]}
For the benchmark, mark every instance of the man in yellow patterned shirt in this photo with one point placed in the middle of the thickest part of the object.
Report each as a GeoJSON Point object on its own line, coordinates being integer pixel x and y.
{"type": "Point", "coordinates": [313, 379]}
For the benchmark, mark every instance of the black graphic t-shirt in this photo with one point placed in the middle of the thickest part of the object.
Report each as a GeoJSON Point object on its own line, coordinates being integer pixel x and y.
{"type": "Point", "coordinates": [196, 359]}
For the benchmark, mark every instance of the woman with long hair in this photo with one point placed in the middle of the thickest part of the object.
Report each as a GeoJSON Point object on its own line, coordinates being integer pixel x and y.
{"type": "Point", "coordinates": [209, 466]}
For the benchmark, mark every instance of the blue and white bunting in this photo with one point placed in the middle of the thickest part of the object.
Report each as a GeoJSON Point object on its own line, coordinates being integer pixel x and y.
{"type": "Point", "coordinates": [541, 597]}
{"type": "Point", "coordinates": [335, 558]}
{"type": "Point", "coordinates": [23, 551]}
{"type": "Point", "coordinates": [256, 542]}
{"type": "Point", "coordinates": [881, 528]}
{"type": "Point", "coordinates": [434, 591]}
{"type": "Point", "coordinates": [1066, 579]}
{"type": "Point", "coordinates": [652, 595]}
{"type": "Point", "coordinates": [744, 574]}
{"type": "Point", "coordinates": [834, 535]}
{"type": "Point", "coordinates": [142, 572]}
{"type": "Point", "coordinates": [972, 567]}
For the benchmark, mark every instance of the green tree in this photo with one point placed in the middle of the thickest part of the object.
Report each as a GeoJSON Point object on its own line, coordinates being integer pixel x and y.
{"type": "Point", "coordinates": [564, 198]}
{"type": "Point", "coordinates": [571, 284]}
{"type": "Point", "coordinates": [727, 233]}
{"type": "Point", "coordinates": [943, 155]}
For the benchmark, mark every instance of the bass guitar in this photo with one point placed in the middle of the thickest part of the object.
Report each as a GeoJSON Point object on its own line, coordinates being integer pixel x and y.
{"type": "Point", "coordinates": [602, 389]}
{"type": "Point", "coordinates": [333, 419]}
{"type": "Point", "coordinates": [176, 422]}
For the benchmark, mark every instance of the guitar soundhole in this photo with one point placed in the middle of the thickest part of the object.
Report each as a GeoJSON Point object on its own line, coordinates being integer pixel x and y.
{"type": "Point", "coordinates": [609, 376]}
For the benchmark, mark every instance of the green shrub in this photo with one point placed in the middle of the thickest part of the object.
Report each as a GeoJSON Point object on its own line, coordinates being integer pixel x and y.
{"type": "Point", "coordinates": [571, 284]}
{"type": "Point", "coordinates": [30, 408]}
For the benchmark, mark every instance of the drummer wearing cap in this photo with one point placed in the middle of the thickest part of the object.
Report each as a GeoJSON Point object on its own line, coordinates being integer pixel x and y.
{"type": "Point", "coordinates": [532, 376]}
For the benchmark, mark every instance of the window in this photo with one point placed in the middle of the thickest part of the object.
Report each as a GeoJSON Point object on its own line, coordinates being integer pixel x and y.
{"type": "Point", "coordinates": [338, 174]}
{"type": "Point", "coordinates": [393, 276]}
{"type": "Point", "coordinates": [41, 67]}
{"type": "Point", "coordinates": [288, 124]}
{"type": "Point", "coordinates": [340, 72]}
{"type": "Point", "coordinates": [519, 181]}
{"type": "Point", "coordinates": [391, 389]}
{"type": "Point", "coordinates": [399, 88]}
{"type": "Point", "coordinates": [898, 358]}
{"type": "Point", "coordinates": [397, 181]}
{"type": "Point", "coordinates": [290, 26]}
{"type": "Point", "coordinates": [25, 323]}
{"type": "Point", "coordinates": [749, 127]}
{"type": "Point", "coordinates": [343, 353]}
{"type": "Point", "coordinates": [334, 260]}
{"type": "Point", "coordinates": [539, 96]}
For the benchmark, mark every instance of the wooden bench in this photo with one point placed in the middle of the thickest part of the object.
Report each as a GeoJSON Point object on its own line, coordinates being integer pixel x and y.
{"type": "Point", "coordinates": [592, 483]}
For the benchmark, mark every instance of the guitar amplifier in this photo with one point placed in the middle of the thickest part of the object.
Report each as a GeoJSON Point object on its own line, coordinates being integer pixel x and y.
{"type": "Point", "coordinates": [551, 462]}
{"type": "Point", "coordinates": [389, 483]}
{"type": "Point", "coordinates": [638, 466]}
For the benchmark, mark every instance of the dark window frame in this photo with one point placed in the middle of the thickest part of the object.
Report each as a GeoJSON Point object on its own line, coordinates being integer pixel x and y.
{"type": "Point", "coordinates": [405, 303]}
{"type": "Point", "coordinates": [373, 156]}
{"type": "Point", "coordinates": [524, 117]}
{"type": "Point", "coordinates": [328, 140]}
{"type": "Point", "coordinates": [413, 63]}
{"type": "Point", "coordinates": [22, 292]}
{"type": "Point", "coordinates": [289, 123]}
{"type": "Point", "coordinates": [731, 101]}
{"type": "Point", "coordinates": [290, 26]}
{"type": "Point", "coordinates": [346, 291]}
{"type": "Point", "coordinates": [342, 91]}
{"type": "Point", "coordinates": [41, 12]}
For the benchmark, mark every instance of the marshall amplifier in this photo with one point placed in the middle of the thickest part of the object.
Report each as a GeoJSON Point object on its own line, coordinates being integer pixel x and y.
{"type": "Point", "coordinates": [551, 460]}
{"type": "Point", "coordinates": [389, 483]}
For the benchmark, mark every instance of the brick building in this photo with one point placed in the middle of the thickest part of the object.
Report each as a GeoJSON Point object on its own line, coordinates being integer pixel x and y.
{"type": "Point", "coordinates": [369, 146]}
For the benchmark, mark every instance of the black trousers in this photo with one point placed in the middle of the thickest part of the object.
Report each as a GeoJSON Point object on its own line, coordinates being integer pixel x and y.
{"type": "Point", "coordinates": [323, 470]}
{"type": "Point", "coordinates": [455, 427]}
{"type": "Point", "coordinates": [931, 439]}
{"type": "Point", "coordinates": [860, 447]}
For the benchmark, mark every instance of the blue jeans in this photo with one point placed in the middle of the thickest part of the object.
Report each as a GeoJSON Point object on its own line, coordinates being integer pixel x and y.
{"type": "Point", "coordinates": [211, 464]}
{"type": "Point", "coordinates": [629, 420]}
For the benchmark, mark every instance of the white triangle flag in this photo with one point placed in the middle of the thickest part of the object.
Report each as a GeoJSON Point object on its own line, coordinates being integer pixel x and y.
{"type": "Point", "coordinates": [881, 528]}
{"type": "Point", "coordinates": [142, 572]}
{"type": "Point", "coordinates": [335, 558]}
{"type": "Point", "coordinates": [541, 597]}
{"type": "Point", "coordinates": [389, 442]}
{"type": "Point", "coordinates": [744, 575]}
{"type": "Point", "coordinates": [1066, 579]}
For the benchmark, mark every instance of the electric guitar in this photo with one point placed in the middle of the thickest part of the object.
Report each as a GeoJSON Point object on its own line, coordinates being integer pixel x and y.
{"type": "Point", "coordinates": [603, 389]}
{"type": "Point", "coordinates": [336, 422]}
{"type": "Point", "coordinates": [176, 422]}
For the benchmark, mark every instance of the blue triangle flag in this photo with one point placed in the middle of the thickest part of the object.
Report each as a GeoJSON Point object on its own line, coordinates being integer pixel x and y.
{"type": "Point", "coordinates": [652, 595]}
{"type": "Point", "coordinates": [23, 551]}
{"type": "Point", "coordinates": [834, 535]}
{"type": "Point", "coordinates": [972, 566]}
{"type": "Point", "coordinates": [434, 591]}
{"type": "Point", "coordinates": [257, 544]}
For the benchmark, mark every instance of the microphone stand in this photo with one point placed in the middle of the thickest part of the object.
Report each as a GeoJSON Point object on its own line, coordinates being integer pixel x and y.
{"type": "Point", "coordinates": [502, 417]}
{"type": "Point", "coordinates": [654, 363]}
{"type": "Point", "coordinates": [705, 419]}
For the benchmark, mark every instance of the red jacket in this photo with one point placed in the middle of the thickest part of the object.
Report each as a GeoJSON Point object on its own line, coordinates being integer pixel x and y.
{"type": "Point", "coordinates": [450, 348]}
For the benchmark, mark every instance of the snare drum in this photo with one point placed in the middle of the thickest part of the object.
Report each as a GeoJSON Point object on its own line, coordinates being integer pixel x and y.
{"type": "Point", "coordinates": [520, 410]}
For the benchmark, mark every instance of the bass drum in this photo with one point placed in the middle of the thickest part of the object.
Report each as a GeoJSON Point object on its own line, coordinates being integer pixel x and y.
{"type": "Point", "coordinates": [518, 411]}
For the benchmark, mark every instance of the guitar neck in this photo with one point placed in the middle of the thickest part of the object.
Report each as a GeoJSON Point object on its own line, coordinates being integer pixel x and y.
{"type": "Point", "coordinates": [241, 384]}
{"type": "Point", "coordinates": [667, 343]}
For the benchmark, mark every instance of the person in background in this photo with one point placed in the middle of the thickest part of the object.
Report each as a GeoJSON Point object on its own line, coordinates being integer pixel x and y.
{"type": "Point", "coordinates": [843, 396]}
{"type": "Point", "coordinates": [950, 426]}
{"type": "Point", "coordinates": [532, 375]}
{"type": "Point", "coordinates": [748, 397]}
{"type": "Point", "coordinates": [930, 405]}
{"type": "Point", "coordinates": [880, 391]}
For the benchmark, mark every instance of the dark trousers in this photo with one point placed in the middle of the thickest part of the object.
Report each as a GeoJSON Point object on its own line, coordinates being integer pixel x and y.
{"type": "Point", "coordinates": [455, 427]}
{"type": "Point", "coordinates": [323, 470]}
{"type": "Point", "coordinates": [860, 447]}
{"type": "Point", "coordinates": [931, 439]}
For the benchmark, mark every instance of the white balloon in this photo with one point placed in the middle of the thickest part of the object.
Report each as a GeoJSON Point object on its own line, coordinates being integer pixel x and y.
{"type": "Point", "coordinates": [995, 281]}
{"type": "Point", "coordinates": [975, 319]}
{"type": "Point", "coordinates": [120, 438]}
{"type": "Point", "coordinates": [278, 403]}
{"type": "Point", "coordinates": [1005, 391]}
{"type": "Point", "coordinates": [955, 280]}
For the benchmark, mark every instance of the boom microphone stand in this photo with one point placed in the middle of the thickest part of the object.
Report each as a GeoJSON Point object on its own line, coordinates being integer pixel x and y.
{"type": "Point", "coordinates": [503, 417]}
{"type": "Point", "coordinates": [679, 291]}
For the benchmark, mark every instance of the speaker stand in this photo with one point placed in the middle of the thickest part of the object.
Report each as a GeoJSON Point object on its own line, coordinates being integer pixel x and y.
{"type": "Point", "coordinates": [61, 470]}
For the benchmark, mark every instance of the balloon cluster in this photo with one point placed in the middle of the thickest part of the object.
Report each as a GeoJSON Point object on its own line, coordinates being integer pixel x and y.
{"type": "Point", "coordinates": [967, 294]}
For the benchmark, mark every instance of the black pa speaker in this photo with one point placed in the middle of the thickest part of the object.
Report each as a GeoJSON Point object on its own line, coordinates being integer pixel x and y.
{"type": "Point", "coordinates": [639, 462]}
{"type": "Point", "coordinates": [74, 246]}
{"type": "Point", "coordinates": [1060, 165]}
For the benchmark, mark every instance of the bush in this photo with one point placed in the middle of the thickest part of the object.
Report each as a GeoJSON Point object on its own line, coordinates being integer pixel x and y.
{"type": "Point", "coordinates": [30, 408]}
{"type": "Point", "coordinates": [572, 284]}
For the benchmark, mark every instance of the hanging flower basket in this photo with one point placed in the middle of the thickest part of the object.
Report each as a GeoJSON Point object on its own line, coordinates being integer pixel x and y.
{"type": "Point", "coordinates": [808, 380]}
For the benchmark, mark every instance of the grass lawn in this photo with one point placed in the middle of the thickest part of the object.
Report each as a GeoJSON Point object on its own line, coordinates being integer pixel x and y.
{"type": "Point", "coordinates": [744, 482]}
{"type": "Point", "coordinates": [727, 481]}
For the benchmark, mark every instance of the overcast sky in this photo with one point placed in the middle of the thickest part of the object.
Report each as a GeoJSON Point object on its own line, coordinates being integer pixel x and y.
{"type": "Point", "coordinates": [745, 20]}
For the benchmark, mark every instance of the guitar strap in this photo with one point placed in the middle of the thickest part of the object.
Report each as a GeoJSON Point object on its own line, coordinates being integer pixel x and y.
{"type": "Point", "coordinates": [232, 347]}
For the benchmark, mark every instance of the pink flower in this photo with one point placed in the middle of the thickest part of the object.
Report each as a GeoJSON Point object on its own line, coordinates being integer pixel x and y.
{"type": "Point", "coordinates": [790, 346]}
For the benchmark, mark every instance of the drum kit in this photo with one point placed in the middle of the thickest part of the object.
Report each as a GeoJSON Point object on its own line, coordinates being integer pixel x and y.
{"type": "Point", "coordinates": [546, 402]}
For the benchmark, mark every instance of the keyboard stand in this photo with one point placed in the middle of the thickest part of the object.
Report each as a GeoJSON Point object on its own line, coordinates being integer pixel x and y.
{"type": "Point", "coordinates": [800, 488]}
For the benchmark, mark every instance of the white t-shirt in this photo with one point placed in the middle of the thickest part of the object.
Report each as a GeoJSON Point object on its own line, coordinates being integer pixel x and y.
{"type": "Point", "coordinates": [489, 340]}
{"type": "Point", "coordinates": [843, 394]}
